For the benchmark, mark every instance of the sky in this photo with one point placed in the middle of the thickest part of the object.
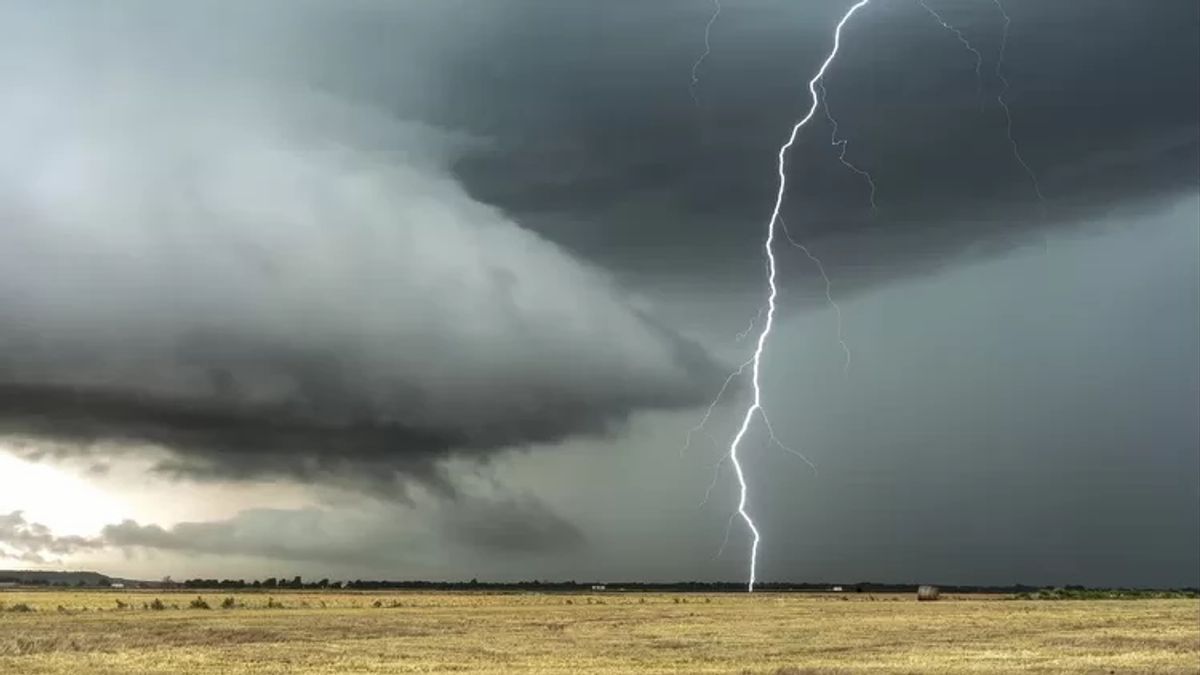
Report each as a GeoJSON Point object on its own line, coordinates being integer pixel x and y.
{"type": "Point", "coordinates": [405, 289]}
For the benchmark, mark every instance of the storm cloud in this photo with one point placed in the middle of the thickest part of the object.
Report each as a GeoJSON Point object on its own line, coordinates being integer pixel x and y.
{"type": "Point", "coordinates": [299, 246]}
{"type": "Point", "coordinates": [618, 162]}
{"type": "Point", "coordinates": [510, 526]}
{"type": "Point", "coordinates": [375, 534]}
{"type": "Point", "coordinates": [269, 280]}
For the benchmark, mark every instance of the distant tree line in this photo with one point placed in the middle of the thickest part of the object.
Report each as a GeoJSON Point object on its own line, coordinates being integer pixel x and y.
{"type": "Point", "coordinates": [573, 586]}
{"type": "Point", "coordinates": [91, 579]}
{"type": "Point", "coordinates": [52, 583]}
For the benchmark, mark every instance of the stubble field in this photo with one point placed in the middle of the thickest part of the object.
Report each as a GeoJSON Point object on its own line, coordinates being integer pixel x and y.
{"type": "Point", "coordinates": [350, 632]}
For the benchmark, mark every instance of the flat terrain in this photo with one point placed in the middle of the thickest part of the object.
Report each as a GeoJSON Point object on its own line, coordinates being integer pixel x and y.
{"type": "Point", "coordinates": [346, 632]}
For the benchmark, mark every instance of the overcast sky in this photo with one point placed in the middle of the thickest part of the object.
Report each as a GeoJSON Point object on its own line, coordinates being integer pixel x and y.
{"type": "Point", "coordinates": [437, 290]}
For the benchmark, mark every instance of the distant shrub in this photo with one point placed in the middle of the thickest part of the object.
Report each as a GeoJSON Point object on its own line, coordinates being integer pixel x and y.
{"type": "Point", "coordinates": [377, 604]}
{"type": "Point", "coordinates": [122, 605]}
{"type": "Point", "coordinates": [157, 605]}
{"type": "Point", "coordinates": [273, 604]}
{"type": "Point", "coordinates": [228, 603]}
{"type": "Point", "coordinates": [1081, 593]}
{"type": "Point", "coordinates": [20, 607]}
{"type": "Point", "coordinates": [199, 603]}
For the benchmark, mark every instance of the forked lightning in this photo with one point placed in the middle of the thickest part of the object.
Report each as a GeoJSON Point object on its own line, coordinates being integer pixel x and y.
{"type": "Point", "coordinates": [756, 405]}
{"type": "Point", "coordinates": [817, 95]}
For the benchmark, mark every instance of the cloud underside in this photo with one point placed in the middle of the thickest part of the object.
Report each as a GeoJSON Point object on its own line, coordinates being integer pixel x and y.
{"type": "Point", "coordinates": [496, 526]}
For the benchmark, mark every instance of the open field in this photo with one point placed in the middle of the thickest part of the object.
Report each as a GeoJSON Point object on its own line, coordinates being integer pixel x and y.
{"type": "Point", "coordinates": [346, 632]}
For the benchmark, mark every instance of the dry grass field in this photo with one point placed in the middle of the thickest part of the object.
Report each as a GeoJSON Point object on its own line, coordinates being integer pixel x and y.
{"type": "Point", "coordinates": [344, 632]}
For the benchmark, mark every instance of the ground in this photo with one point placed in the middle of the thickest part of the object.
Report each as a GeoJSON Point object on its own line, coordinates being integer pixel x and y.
{"type": "Point", "coordinates": [607, 632]}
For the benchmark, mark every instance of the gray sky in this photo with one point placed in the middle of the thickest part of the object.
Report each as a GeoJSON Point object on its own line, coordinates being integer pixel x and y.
{"type": "Point", "coordinates": [405, 289]}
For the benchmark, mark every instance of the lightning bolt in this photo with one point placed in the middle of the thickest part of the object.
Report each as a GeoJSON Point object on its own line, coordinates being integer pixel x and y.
{"type": "Point", "coordinates": [782, 446]}
{"type": "Point", "coordinates": [774, 442]}
{"type": "Point", "coordinates": [1004, 87]}
{"type": "Point", "coordinates": [818, 95]}
{"type": "Point", "coordinates": [841, 144]}
{"type": "Point", "coordinates": [744, 334]}
{"type": "Point", "coordinates": [725, 541]}
{"type": "Point", "coordinates": [1037, 188]}
{"type": "Point", "coordinates": [707, 50]}
{"type": "Point", "coordinates": [756, 406]}
{"type": "Point", "coordinates": [965, 43]}
{"type": "Point", "coordinates": [837, 311]}
{"type": "Point", "coordinates": [712, 406]}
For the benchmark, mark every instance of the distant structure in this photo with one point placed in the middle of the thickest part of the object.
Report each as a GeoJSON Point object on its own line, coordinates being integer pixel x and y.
{"type": "Point", "coordinates": [929, 593]}
{"type": "Point", "coordinates": [836, 589]}
{"type": "Point", "coordinates": [8, 584]}
{"type": "Point", "coordinates": [599, 587]}
{"type": "Point", "coordinates": [117, 585]}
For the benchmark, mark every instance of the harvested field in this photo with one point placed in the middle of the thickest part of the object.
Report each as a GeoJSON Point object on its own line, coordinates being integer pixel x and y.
{"type": "Point", "coordinates": [351, 632]}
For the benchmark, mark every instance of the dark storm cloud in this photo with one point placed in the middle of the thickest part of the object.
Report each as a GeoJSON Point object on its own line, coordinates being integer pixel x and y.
{"type": "Point", "coordinates": [302, 238]}
{"type": "Point", "coordinates": [208, 253]}
{"type": "Point", "coordinates": [328, 424]}
{"type": "Point", "coordinates": [217, 440]}
{"type": "Point", "coordinates": [606, 152]}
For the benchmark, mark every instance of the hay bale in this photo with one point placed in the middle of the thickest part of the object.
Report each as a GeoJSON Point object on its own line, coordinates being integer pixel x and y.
{"type": "Point", "coordinates": [927, 593]}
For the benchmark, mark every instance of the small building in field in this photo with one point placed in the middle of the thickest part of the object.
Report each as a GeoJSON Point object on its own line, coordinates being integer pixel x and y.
{"type": "Point", "coordinates": [836, 589]}
{"type": "Point", "coordinates": [599, 587]}
{"type": "Point", "coordinates": [117, 585]}
{"type": "Point", "coordinates": [8, 584]}
{"type": "Point", "coordinates": [928, 593]}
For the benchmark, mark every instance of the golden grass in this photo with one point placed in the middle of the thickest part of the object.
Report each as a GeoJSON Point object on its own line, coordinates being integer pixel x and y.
{"type": "Point", "coordinates": [343, 632]}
